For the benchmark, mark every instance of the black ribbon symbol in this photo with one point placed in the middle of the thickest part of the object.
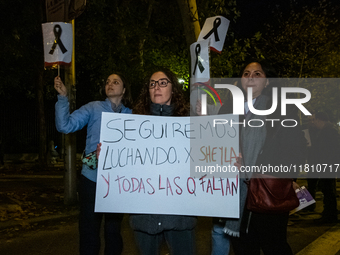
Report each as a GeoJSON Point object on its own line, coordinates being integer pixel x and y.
{"type": "Point", "coordinates": [57, 33]}
{"type": "Point", "coordinates": [217, 23]}
{"type": "Point", "coordinates": [198, 60]}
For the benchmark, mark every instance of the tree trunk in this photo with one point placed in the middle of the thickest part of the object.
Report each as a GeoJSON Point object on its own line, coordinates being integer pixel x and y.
{"type": "Point", "coordinates": [70, 177]}
{"type": "Point", "coordinates": [190, 20]}
{"type": "Point", "coordinates": [142, 40]}
{"type": "Point", "coordinates": [40, 100]}
{"type": "Point", "coordinates": [41, 117]}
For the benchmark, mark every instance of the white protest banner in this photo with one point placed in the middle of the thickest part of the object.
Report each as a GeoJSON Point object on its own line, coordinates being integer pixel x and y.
{"type": "Point", "coordinates": [200, 67]}
{"type": "Point", "coordinates": [144, 167]}
{"type": "Point", "coordinates": [214, 145]}
{"type": "Point", "coordinates": [58, 42]}
{"type": "Point", "coordinates": [215, 29]}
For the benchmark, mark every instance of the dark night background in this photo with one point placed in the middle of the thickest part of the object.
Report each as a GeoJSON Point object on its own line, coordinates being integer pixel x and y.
{"type": "Point", "coordinates": [115, 35]}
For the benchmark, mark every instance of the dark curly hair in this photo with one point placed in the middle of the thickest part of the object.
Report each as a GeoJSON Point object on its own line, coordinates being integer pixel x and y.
{"type": "Point", "coordinates": [181, 107]}
{"type": "Point", "coordinates": [127, 99]}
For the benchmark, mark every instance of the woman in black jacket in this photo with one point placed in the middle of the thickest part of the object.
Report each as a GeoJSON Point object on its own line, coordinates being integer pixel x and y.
{"type": "Point", "coordinates": [269, 144]}
{"type": "Point", "coordinates": [162, 96]}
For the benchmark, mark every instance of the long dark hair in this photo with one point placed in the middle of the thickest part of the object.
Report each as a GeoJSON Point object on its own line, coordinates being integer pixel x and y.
{"type": "Point", "coordinates": [271, 75]}
{"type": "Point", "coordinates": [127, 99]}
{"type": "Point", "coordinates": [181, 107]}
{"type": "Point", "coordinates": [268, 70]}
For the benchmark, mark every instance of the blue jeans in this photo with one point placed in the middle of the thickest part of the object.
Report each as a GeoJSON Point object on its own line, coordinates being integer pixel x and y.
{"type": "Point", "coordinates": [220, 240]}
{"type": "Point", "coordinates": [90, 223]}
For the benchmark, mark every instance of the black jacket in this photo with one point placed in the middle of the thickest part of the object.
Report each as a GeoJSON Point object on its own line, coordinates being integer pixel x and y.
{"type": "Point", "coordinates": [325, 147]}
{"type": "Point", "coordinates": [157, 223]}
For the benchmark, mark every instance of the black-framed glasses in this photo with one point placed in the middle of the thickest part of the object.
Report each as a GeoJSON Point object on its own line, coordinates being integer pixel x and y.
{"type": "Point", "coordinates": [161, 82]}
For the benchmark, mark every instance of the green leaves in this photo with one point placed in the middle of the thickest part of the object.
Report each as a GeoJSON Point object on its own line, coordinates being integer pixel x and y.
{"type": "Point", "coordinates": [304, 43]}
{"type": "Point", "coordinates": [307, 45]}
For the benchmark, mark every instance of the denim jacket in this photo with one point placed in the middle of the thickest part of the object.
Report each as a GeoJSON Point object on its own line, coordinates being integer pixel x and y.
{"type": "Point", "coordinates": [90, 115]}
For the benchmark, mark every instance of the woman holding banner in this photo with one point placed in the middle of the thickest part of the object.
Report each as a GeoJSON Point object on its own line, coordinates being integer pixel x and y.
{"type": "Point", "coordinates": [162, 96]}
{"type": "Point", "coordinates": [268, 144]}
{"type": "Point", "coordinates": [117, 91]}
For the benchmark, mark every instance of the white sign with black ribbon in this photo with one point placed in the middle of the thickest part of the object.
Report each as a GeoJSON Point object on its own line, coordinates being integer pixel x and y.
{"type": "Point", "coordinates": [200, 67]}
{"type": "Point", "coordinates": [215, 29]}
{"type": "Point", "coordinates": [58, 41]}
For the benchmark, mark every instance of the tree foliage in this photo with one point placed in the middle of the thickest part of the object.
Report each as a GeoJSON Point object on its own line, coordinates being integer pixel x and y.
{"type": "Point", "coordinates": [120, 36]}
{"type": "Point", "coordinates": [145, 34]}
{"type": "Point", "coordinates": [21, 47]}
{"type": "Point", "coordinates": [22, 67]}
{"type": "Point", "coordinates": [124, 36]}
{"type": "Point", "coordinates": [236, 50]}
{"type": "Point", "coordinates": [307, 43]}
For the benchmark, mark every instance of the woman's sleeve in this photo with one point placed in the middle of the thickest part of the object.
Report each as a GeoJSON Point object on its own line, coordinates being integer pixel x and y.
{"type": "Point", "coordinates": [293, 144]}
{"type": "Point", "coordinates": [66, 122]}
{"type": "Point", "coordinates": [287, 147]}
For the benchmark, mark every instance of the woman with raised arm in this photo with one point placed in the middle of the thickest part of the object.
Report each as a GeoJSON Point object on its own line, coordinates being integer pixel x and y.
{"type": "Point", "coordinates": [118, 97]}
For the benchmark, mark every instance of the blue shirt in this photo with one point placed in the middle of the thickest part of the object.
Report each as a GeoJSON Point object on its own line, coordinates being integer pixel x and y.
{"type": "Point", "coordinates": [90, 115]}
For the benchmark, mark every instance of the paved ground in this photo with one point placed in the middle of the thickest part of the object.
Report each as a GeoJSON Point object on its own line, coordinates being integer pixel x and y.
{"type": "Point", "coordinates": [62, 238]}
{"type": "Point", "coordinates": [45, 226]}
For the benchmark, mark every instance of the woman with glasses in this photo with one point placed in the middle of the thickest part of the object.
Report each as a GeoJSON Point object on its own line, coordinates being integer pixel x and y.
{"type": "Point", "coordinates": [162, 96]}
{"type": "Point", "coordinates": [117, 91]}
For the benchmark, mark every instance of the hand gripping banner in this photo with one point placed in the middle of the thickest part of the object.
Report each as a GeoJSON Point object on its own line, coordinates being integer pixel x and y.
{"type": "Point", "coordinates": [58, 42]}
